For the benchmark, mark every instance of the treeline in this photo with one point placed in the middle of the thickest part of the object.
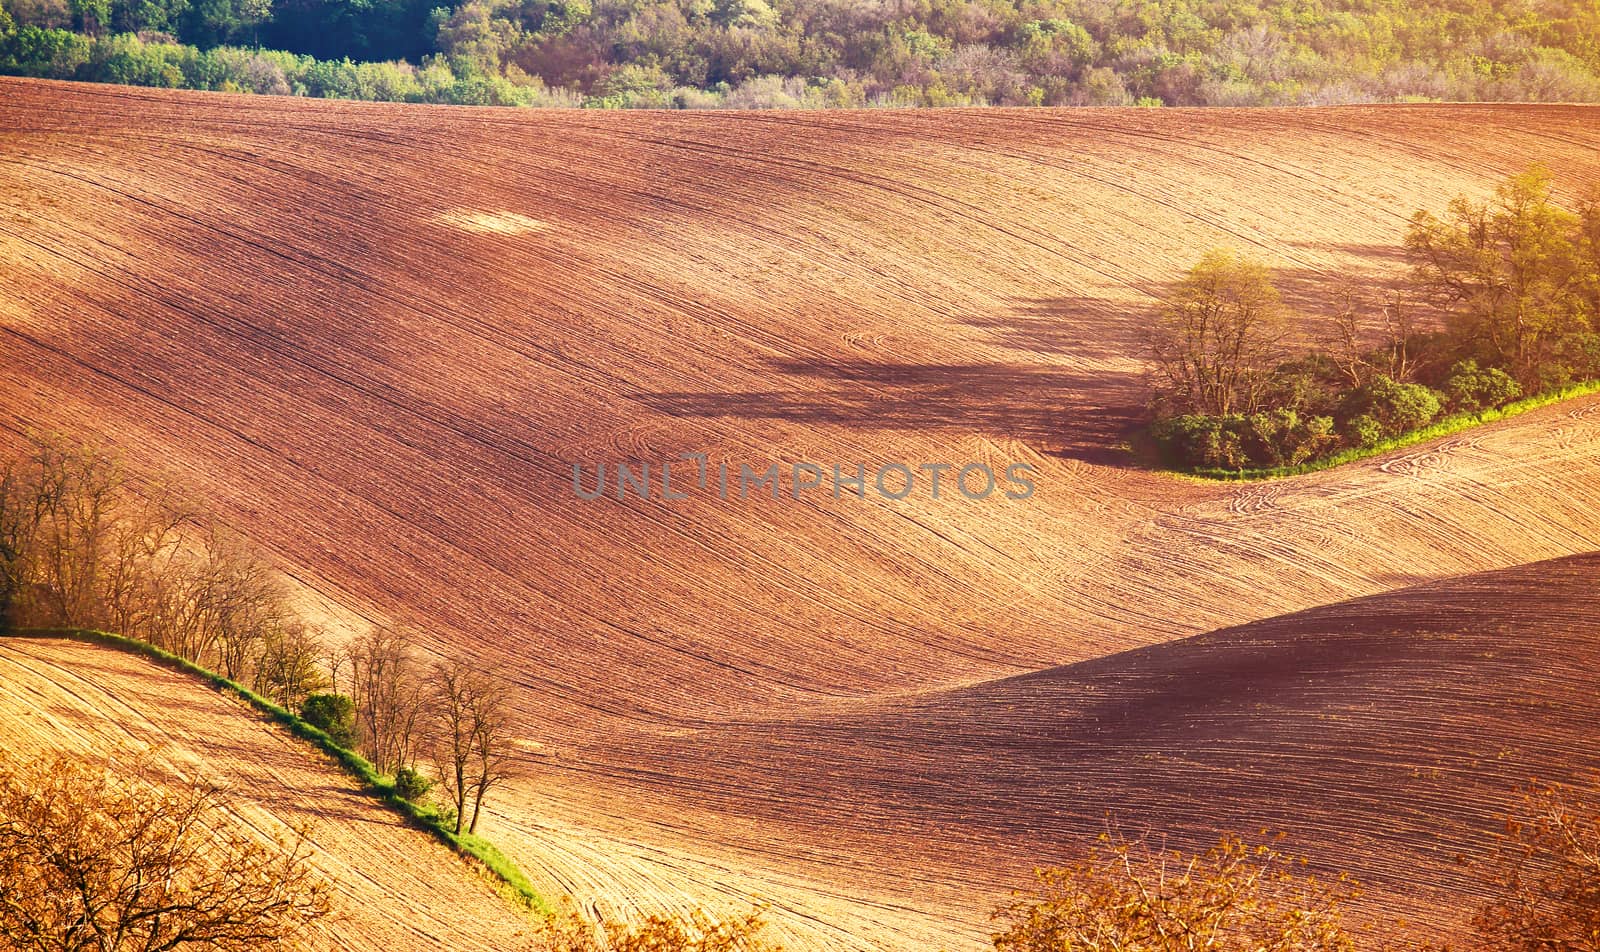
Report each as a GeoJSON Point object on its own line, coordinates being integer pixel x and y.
{"type": "Point", "coordinates": [84, 546]}
{"type": "Point", "coordinates": [821, 53]}
{"type": "Point", "coordinates": [1515, 278]}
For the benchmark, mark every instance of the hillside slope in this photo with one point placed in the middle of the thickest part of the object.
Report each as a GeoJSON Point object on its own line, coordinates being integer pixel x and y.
{"type": "Point", "coordinates": [1386, 736]}
{"type": "Point", "coordinates": [378, 338]}
{"type": "Point", "coordinates": [394, 887]}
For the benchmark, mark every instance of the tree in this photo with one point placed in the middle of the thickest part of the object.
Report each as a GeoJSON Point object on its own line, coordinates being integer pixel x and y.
{"type": "Point", "coordinates": [471, 737]}
{"type": "Point", "coordinates": [1361, 344]}
{"type": "Point", "coordinates": [90, 16]}
{"type": "Point", "coordinates": [94, 861]}
{"type": "Point", "coordinates": [1512, 272]}
{"type": "Point", "coordinates": [20, 514]}
{"type": "Point", "coordinates": [1546, 876]}
{"type": "Point", "coordinates": [288, 670]}
{"type": "Point", "coordinates": [1139, 896]}
{"type": "Point", "coordinates": [1217, 337]}
{"type": "Point", "coordinates": [77, 492]}
{"type": "Point", "coordinates": [389, 695]}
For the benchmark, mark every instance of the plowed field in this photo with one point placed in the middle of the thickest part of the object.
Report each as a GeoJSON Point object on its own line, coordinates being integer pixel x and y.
{"type": "Point", "coordinates": [378, 338]}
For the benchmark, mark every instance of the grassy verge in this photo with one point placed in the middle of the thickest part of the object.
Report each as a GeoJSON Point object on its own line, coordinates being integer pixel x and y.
{"type": "Point", "coordinates": [514, 884]}
{"type": "Point", "coordinates": [1444, 426]}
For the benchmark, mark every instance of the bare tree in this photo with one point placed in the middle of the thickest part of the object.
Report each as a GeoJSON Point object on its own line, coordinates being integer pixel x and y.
{"type": "Point", "coordinates": [1364, 340]}
{"type": "Point", "coordinates": [78, 492]}
{"type": "Point", "coordinates": [145, 547]}
{"type": "Point", "coordinates": [289, 669]}
{"type": "Point", "coordinates": [336, 660]}
{"type": "Point", "coordinates": [1218, 336]}
{"type": "Point", "coordinates": [82, 546]}
{"type": "Point", "coordinates": [389, 697]}
{"type": "Point", "coordinates": [470, 737]}
{"type": "Point", "coordinates": [95, 862]}
{"type": "Point", "coordinates": [492, 740]}
{"type": "Point", "coordinates": [21, 512]}
{"type": "Point", "coordinates": [1347, 339]}
{"type": "Point", "coordinates": [1399, 333]}
{"type": "Point", "coordinates": [1546, 876]}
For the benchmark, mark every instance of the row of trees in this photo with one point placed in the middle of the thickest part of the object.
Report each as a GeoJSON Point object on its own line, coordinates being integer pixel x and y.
{"type": "Point", "coordinates": [83, 546]}
{"type": "Point", "coordinates": [1515, 280]}
{"type": "Point", "coordinates": [820, 53]}
{"type": "Point", "coordinates": [405, 715]}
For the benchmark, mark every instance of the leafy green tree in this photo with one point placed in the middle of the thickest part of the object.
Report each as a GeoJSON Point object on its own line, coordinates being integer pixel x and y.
{"type": "Point", "coordinates": [1512, 271]}
{"type": "Point", "coordinates": [90, 16]}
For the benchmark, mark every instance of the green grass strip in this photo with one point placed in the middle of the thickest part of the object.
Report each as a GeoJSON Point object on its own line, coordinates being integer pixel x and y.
{"type": "Point", "coordinates": [424, 817]}
{"type": "Point", "coordinates": [1445, 426]}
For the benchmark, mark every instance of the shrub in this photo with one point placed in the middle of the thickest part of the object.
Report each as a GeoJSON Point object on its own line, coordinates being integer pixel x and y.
{"type": "Point", "coordinates": [1198, 441]}
{"type": "Point", "coordinates": [103, 858]}
{"type": "Point", "coordinates": [1573, 358]}
{"type": "Point", "coordinates": [1270, 438]}
{"type": "Point", "coordinates": [409, 784]}
{"type": "Point", "coordinates": [1363, 431]}
{"type": "Point", "coordinates": [334, 715]}
{"type": "Point", "coordinates": [1285, 438]}
{"type": "Point", "coordinates": [1545, 878]}
{"type": "Point", "coordinates": [1396, 407]}
{"type": "Point", "coordinates": [1472, 388]}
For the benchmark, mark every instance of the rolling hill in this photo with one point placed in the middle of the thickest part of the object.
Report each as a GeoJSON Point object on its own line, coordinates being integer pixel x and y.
{"type": "Point", "coordinates": [394, 887]}
{"type": "Point", "coordinates": [378, 338]}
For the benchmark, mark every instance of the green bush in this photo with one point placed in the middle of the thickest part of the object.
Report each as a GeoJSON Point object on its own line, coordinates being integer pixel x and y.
{"type": "Point", "coordinates": [1363, 431]}
{"type": "Point", "coordinates": [1272, 438]}
{"type": "Point", "coordinates": [410, 784]}
{"type": "Point", "coordinates": [1574, 357]}
{"type": "Point", "coordinates": [334, 715]}
{"type": "Point", "coordinates": [1470, 388]}
{"type": "Point", "coordinates": [1286, 438]}
{"type": "Point", "coordinates": [1195, 440]}
{"type": "Point", "coordinates": [1396, 407]}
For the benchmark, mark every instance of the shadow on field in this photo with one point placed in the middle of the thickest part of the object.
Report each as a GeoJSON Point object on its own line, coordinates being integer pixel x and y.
{"type": "Point", "coordinates": [1075, 415]}
{"type": "Point", "coordinates": [1085, 328]}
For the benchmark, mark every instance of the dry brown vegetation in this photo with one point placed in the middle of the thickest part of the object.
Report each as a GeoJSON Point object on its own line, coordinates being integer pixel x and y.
{"type": "Point", "coordinates": [697, 931]}
{"type": "Point", "coordinates": [1544, 881]}
{"type": "Point", "coordinates": [375, 339]}
{"type": "Point", "coordinates": [103, 859]}
{"type": "Point", "coordinates": [86, 549]}
{"type": "Point", "coordinates": [1142, 897]}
